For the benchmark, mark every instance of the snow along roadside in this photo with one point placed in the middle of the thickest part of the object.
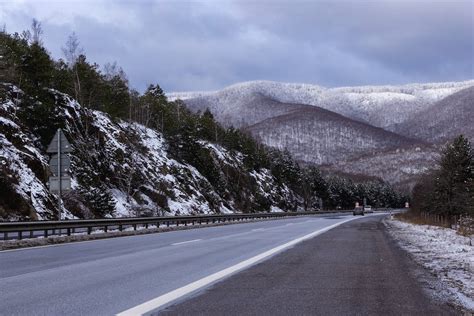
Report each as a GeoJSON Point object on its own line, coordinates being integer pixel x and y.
{"type": "Point", "coordinates": [447, 255]}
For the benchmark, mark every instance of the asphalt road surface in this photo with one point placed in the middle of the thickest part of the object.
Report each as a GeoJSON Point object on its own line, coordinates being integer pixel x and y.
{"type": "Point", "coordinates": [148, 273]}
{"type": "Point", "coordinates": [355, 269]}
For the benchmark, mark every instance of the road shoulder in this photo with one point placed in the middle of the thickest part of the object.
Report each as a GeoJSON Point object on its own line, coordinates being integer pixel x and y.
{"type": "Point", "coordinates": [448, 256]}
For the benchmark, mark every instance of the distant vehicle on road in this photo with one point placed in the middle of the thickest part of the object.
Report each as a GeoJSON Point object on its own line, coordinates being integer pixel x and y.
{"type": "Point", "coordinates": [368, 209]}
{"type": "Point", "coordinates": [358, 210]}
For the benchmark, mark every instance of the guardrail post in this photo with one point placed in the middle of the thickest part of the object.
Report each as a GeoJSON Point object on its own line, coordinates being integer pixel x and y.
{"type": "Point", "coordinates": [134, 226]}
{"type": "Point", "coordinates": [168, 224]}
{"type": "Point", "coordinates": [105, 228]}
{"type": "Point", "coordinates": [20, 235]}
{"type": "Point", "coordinates": [146, 225]}
{"type": "Point", "coordinates": [5, 236]}
{"type": "Point", "coordinates": [120, 227]}
{"type": "Point", "coordinates": [31, 234]}
{"type": "Point", "coordinates": [89, 230]}
{"type": "Point", "coordinates": [157, 224]}
{"type": "Point", "coordinates": [45, 233]}
{"type": "Point", "coordinates": [68, 232]}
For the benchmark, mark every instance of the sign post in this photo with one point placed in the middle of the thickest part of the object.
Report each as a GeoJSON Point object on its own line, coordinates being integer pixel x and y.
{"type": "Point", "coordinates": [59, 165]}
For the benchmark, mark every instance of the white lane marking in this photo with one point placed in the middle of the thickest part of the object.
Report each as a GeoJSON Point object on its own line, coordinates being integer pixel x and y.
{"type": "Point", "coordinates": [167, 298]}
{"type": "Point", "coordinates": [185, 242]}
{"type": "Point", "coordinates": [289, 224]}
{"type": "Point", "coordinates": [258, 229]}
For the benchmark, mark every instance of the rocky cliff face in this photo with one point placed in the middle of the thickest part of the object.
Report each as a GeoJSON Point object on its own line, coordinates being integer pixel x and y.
{"type": "Point", "coordinates": [118, 168]}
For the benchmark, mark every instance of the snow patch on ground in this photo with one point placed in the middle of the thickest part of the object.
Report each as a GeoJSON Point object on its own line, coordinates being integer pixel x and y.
{"type": "Point", "coordinates": [5, 121]}
{"type": "Point", "coordinates": [275, 209]}
{"type": "Point", "coordinates": [122, 207]}
{"type": "Point", "coordinates": [449, 256]}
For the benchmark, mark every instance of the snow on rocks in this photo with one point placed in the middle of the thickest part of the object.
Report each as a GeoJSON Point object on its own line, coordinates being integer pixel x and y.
{"type": "Point", "coordinates": [446, 254]}
{"type": "Point", "coordinates": [118, 168]}
{"type": "Point", "coordinates": [28, 185]}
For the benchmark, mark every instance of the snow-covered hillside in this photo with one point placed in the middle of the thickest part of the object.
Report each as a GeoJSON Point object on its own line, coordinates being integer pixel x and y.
{"type": "Point", "coordinates": [444, 119]}
{"type": "Point", "coordinates": [324, 137]}
{"type": "Point", "coordinates": [374, 120]}
{"type": "Point", "coordinates": [123, 167]}
{"type": "Point", "coordinates": [399, 166]}
{"type": "Point", "coordinates": [381, 106]}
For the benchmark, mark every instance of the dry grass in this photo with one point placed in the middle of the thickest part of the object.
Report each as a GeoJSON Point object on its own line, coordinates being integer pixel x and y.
{"type": "Point", "coordinates": [464, 225]}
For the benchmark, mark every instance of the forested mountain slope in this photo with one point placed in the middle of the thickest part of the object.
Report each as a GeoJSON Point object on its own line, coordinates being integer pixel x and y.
{"type": "Point", "coordinates": [381, 106]}
{"type": "Point", "coordinates": [252, 108]}
{"type": "Point", "coordinates": [444, 120]}
{"type": "Point", "coordinates": [401, 166]}
{"type": "Point", "coordinates": [319, 136]}
{"type": "Point", "coordinates": [349, 128]}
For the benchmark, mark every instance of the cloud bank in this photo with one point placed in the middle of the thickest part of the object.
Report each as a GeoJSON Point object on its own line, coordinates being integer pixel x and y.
{"type": "Point", "coordinates": [206, 45]}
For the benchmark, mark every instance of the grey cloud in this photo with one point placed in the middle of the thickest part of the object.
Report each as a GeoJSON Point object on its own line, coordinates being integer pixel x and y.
{"type": "Point", "coordinates": [189, 45]}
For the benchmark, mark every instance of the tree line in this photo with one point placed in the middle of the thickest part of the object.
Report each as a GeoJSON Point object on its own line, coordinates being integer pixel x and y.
{"type": "Point", "coordinates": [27, 64]}
{"type": "Point", "coordinates": [449, 189]}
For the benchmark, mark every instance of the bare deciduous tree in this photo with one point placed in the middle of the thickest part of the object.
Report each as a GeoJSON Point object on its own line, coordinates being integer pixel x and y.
{"type": "Point", "coordinates": [37, 31]}
{"type": "Point", "coordinates": [71, 52]}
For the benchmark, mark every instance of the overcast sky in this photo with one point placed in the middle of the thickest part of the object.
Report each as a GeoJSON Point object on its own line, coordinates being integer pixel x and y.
{"type": "Point", "coordinates": [206, 45]}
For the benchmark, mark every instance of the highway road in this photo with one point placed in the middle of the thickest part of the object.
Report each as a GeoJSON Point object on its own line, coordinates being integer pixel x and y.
{"type": "Point", "coordinates": [354, 269]}
{"type": "Point", "coordinates": [148, 273]}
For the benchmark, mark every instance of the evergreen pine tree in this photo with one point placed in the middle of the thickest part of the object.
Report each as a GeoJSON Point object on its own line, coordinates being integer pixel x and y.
{"type": "Point", "coordinates": [454, 178]}
{"type": "Point", "coordinates": [208, 127]}
{"type": "Point", "coordinates": [38, 69]}
{"type": "Point", "coordinates": [313, 187]}
{"type": "Point", "coordinates": [99, 200]}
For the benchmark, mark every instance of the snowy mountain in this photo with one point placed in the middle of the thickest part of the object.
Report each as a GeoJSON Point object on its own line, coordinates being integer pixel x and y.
{"type": "Point", "coordinates": [320, 136]}
{"type": "Point", "coordinates": [124, 168]}
{"type": "Point", "coordinates": [348, 127]}
{"type": "Point", "coordinates": [381, 106]}
{"type": "Point", "coordinates": [444, 119]}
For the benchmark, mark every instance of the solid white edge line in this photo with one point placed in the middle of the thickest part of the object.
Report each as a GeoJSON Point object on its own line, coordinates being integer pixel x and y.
{"type": "Point", "coordinates": [164, 299]}
{"type": "Point", "coordinates": [185, 242]}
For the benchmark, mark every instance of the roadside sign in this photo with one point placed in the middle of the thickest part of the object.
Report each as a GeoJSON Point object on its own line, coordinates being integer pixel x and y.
{"type": "Point", "coordinates": [54, 184]}
{"type": "Point", "coordinates": [59, 165]}
{"type": "Point", "coordinates": [65, 165]}
{"type": "Point", "coordinates": [65, 145]}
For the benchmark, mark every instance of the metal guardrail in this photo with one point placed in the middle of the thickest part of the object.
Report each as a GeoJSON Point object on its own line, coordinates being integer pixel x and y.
{"type": "Point", "coordinates": [49, 228]}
